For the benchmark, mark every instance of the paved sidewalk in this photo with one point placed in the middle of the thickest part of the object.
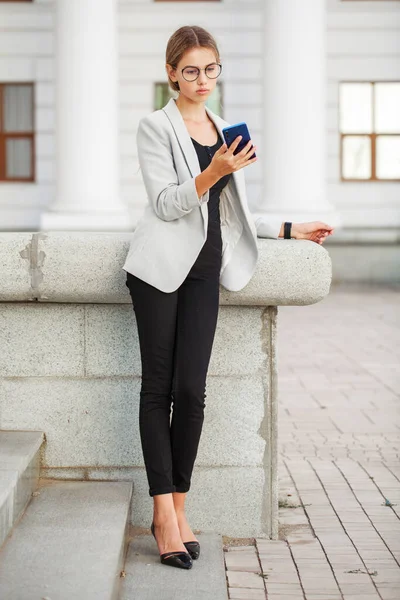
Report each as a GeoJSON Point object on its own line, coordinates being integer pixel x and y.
{"type": "Point", "coordinates": [339, 464]}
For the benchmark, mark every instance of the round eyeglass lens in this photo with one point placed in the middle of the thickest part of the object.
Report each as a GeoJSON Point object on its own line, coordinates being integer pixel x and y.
{"type": "Point", "coordinates": [213, 70]}
{"type": "Point", "coordinates": [190, 73]}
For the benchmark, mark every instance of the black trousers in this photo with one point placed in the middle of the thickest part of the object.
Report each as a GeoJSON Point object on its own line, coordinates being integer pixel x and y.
{"type": "Point", "coordinates": [176, 333]}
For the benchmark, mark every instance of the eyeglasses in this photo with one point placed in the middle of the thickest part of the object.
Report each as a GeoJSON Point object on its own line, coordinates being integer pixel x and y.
{"type": "Point", "coordinates": [212, 71]}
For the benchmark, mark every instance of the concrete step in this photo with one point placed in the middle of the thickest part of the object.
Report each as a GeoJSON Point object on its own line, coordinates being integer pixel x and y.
{"type": "Point", "coordinates": [19, 474]}
{"type": "Point", "coordinates": [69, 543]}
{"type": "Point", "coordinates": [146, 578]}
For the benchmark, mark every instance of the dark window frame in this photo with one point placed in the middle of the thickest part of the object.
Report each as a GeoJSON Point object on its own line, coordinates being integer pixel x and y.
{"type": "Point", "coordinates": [373, 135]}
{"type": "Point", "coordinates": [4, 135]}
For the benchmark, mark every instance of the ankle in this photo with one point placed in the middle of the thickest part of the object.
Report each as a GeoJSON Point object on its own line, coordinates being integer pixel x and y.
{"type": "Point", "coordinates": [162, 518]}
{"type": "Point", "coordinates": [179, 507]}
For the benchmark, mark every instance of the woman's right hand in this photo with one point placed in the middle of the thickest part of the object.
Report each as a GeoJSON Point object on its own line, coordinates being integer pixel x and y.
{"type": "Point", "coordinates": [224, 161]}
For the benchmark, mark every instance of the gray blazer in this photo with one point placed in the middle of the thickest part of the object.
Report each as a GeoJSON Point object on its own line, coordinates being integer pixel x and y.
{"type": "Point", "coordinates": [170, 234]}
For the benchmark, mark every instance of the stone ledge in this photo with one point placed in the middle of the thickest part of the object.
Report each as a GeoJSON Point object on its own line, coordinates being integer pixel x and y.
{"type": "Point", "coordinates": [86, 267]}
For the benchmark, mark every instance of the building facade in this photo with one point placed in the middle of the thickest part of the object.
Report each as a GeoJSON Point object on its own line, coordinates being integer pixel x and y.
{"type": "Point", "coordinates": [318, 83]}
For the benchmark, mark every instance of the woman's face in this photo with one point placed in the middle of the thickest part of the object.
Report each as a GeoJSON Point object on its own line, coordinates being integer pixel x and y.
{"type": "Point", "coordinates": [196, 57]}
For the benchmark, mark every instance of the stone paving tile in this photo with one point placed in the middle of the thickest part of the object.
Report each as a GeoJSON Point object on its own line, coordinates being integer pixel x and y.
{"type": "Point", "coordinates": [246, 594]}
{"type": "Point", "coordinates": [361, 597]}
{"type": "Point", "coordinates": [242, 579]}
{"type": "Point", "coordinates": [339, 449]}
{"type": "Point", "coordinates": [243, 561]}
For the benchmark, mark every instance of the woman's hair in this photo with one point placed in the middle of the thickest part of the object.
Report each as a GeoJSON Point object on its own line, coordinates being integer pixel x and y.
{"type": "Point", "coordinates": [183, 39]}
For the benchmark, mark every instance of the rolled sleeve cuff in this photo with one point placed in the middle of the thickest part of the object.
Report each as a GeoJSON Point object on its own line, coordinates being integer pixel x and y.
{"type": "Point", "coordinates": [268, 226]}
{"type": "Point", "coordinates": [188, 195]}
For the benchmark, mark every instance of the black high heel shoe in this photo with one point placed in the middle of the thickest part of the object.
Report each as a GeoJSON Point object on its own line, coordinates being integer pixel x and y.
{"type": "Point", "coordinates": [193, 548]}
{"type": "Point", "coordinates": [174, 559]}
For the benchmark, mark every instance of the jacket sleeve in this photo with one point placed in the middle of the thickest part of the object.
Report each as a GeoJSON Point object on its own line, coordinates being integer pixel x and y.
{"type": "Point", "coordinates": [169, 199]}
{"type": "Point", "coordinates": [267, 226]}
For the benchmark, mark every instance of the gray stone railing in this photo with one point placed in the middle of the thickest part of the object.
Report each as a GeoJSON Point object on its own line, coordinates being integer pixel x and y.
{"type": "Point", "coordinates": [70, 367]}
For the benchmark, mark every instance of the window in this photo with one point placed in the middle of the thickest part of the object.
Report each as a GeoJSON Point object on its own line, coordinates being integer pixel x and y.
{"type": "Point", "coordinates": [16, 132]}
{"type": "Point", "coordinates": [162, 94]}
{"type": "Point", "coordinates": [369, 125]}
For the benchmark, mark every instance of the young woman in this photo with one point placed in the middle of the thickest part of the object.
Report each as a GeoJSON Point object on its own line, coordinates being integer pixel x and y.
{"type": "Point", "coordinates": [197, 232]}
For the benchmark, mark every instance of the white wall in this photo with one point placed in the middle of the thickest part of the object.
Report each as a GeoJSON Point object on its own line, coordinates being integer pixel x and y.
{"type": "Point", "coordinates": [363, 43]}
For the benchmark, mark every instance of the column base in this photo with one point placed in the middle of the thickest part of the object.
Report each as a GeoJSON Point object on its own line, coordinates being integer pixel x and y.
{"type": "Point", "coordinates": [86, 221]}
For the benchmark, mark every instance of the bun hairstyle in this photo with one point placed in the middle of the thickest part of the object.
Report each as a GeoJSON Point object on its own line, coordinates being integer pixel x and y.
{"type": "Point", "coordinates": [183, 39]}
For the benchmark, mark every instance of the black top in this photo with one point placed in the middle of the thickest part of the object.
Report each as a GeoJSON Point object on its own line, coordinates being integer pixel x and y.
{"type": "Point", "coordinates": [205, 154]}
{"type": "Point", "coordinates": [209, 258]}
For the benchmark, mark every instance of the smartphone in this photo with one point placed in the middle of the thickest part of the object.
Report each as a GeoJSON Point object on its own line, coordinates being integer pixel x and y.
{"type": "Point", "coordinates": [230, 134]}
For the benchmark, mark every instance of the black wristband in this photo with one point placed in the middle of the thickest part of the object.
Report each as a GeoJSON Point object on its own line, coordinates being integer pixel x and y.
{"type": "Point", "coordinates": [287, 229]}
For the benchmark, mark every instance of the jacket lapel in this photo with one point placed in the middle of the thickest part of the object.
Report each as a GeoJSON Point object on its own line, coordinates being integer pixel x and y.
{"type": "Point", "coordinates": [182, 134]}
{"type": "Point", "coordinates": [236, 184]}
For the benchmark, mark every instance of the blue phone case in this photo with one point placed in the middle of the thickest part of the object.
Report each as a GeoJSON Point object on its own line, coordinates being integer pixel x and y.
{"type": "Point", "coordinates": [230, 134]}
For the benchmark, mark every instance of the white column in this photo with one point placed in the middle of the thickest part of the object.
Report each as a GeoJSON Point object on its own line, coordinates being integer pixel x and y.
{"type": "Point", "coordinates": [87, 187]}
{"type": "Point", "coordinates": [294, 132]}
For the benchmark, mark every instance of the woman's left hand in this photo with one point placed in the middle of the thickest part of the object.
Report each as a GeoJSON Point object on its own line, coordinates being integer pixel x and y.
{"type": "Point", "coordinates": [316, 231]}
